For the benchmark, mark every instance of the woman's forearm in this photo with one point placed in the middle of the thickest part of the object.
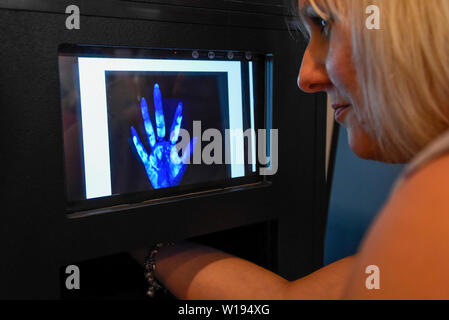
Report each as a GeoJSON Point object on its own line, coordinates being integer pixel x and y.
{"type": "Point", "coordinates": [192, 271]}
{"type": "Point", "coordinates": [327, 283]}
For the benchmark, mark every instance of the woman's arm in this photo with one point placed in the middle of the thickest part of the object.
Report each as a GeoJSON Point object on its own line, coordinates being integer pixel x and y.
{"type": "Point", "coordinates": [192, 271]}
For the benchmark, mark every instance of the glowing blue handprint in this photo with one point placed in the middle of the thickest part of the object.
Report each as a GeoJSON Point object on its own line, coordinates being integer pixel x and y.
{"type": "Point", "coordinates": [163, 166]}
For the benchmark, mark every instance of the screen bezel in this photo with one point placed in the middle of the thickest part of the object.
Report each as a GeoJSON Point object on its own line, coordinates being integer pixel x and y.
{"type": "Point", "coordinates": [260, 90]}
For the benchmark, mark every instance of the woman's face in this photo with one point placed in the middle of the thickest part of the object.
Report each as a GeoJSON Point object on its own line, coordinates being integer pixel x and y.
{"type": "Point", "coordinates": [328, 66]}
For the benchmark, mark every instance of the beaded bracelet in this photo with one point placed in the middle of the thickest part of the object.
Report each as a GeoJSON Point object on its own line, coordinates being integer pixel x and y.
{"type": "Point", "coordinates": [150, 268]}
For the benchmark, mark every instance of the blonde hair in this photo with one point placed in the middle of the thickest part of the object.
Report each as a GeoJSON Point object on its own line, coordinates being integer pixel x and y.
{"type": "Point", "coordinates": [402, 69]}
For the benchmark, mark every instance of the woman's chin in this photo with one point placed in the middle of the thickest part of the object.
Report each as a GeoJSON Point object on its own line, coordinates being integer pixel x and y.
{"type": "Point", "coordinates": [363, 145]}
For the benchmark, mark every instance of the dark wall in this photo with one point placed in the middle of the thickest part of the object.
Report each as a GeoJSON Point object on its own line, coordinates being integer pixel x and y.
{"type": "Point", "coordinates": [37, 238]}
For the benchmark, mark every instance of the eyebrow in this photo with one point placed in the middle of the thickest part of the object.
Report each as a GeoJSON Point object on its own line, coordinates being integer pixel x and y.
{"type": "Point", "coordinates": [309, 10]}
{"type": "Point", "coordinates": [303, 12]}
{"type": "Point", "coordinates": [302, 24]}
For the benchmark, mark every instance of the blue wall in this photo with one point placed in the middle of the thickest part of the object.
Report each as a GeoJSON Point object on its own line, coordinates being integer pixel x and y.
{"type": "Point", "coordinates": [359, 188]}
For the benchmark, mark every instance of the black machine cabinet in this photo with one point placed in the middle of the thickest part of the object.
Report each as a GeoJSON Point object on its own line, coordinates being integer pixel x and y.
{"type": "Point", "coordinates": [37, 238]}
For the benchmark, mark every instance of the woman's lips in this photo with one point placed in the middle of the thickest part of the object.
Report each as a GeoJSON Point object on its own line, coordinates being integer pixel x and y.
{"type": "Point", "coordinates": [340, 110]}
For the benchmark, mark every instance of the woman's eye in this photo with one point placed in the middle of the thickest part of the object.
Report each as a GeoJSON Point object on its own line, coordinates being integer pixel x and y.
{"type": "Point", "coordinates": [322, 24]}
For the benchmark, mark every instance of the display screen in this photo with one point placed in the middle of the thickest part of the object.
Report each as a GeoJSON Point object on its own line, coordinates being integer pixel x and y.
{"type": "Point", "coordinates": [146, 123]}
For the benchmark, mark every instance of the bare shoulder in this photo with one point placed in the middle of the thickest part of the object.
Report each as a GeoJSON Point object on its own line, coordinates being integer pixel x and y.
{"type": "Point", "coordinates": [409, 241]}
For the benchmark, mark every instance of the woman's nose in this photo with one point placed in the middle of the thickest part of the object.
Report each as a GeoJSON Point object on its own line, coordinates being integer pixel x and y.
{"type": "Point", "coordinates": [313, 75]}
